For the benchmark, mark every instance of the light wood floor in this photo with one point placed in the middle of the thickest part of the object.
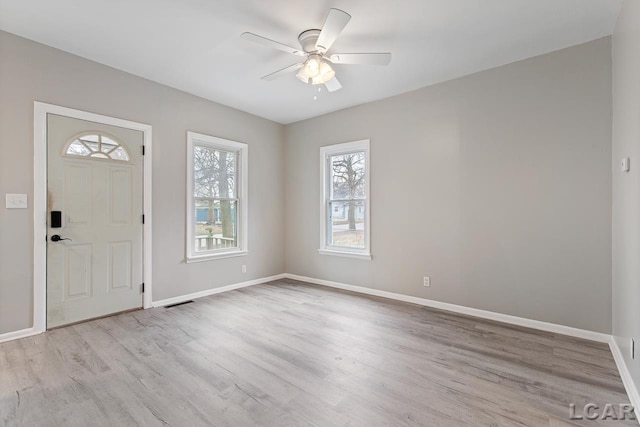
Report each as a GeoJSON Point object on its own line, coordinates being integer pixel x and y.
{"type": "Point", "coordinates": [287, 353]}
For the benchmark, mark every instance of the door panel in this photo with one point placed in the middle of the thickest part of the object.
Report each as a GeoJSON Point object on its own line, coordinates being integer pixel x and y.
{"type": "Point", "coordinates": [120, 196]}
{"type": "Point", "coordinates": [77, 272]}
{"type": "Point", "coordinates": [77, 184]}
{"type": "Point", "coordinates": [119, 265]}
{"type": "Point", "coordinates": [99, 270]}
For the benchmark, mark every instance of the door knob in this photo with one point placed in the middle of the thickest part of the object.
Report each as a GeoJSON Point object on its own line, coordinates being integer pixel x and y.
{"type": "Point", "coordinates": [57, 238]}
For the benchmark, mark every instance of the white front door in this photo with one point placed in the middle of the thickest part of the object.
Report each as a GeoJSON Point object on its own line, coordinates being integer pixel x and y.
{"type": "Point", "coordinates": [94, 255]}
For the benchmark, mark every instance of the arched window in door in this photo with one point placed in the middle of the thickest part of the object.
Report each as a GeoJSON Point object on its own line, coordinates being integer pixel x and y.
{"type": "Point", "coordinates": [96, 145]}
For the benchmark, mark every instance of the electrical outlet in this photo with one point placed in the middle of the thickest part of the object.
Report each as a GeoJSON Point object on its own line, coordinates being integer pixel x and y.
{"type": "Point", "coordinates": [244, 268]}
{"type": "Point", "coordinates": [633, 348]}
{"type": "Point", "coordinates": [427, 281]}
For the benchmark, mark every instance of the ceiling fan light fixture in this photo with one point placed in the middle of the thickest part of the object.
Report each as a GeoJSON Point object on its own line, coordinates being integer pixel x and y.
{"type": "Point", "coordinates": [325, 74]}
{"type": "Point", "coordinates": [310, 68]}
{"type": "Point", "coordinates": [312, 65]}
{"type": "Point", "coordinates": [302, 76]}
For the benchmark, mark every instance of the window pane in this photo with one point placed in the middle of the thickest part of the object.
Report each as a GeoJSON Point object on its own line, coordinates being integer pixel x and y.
{"type": "Point", "coordinates": [347, 176]}
{"type": "Point", "coordinates": [92, 145]}
{"type": "Point", "coordinates": [119, 154]}
{"type": "Point", "coordinates": [77, 148]}
{"type": "Point", "coordinates": [107, 145]}
{"type": "Point", "coordinates": [215, 225]}
{"type": "Point", "coordinates": [346, 227]}
{"type": "Point", "coordinates": [108, 141]}
{"type": "Point", "coordinates": [93, 138]}
{"type": "Point", "coordinates": [214, 173]}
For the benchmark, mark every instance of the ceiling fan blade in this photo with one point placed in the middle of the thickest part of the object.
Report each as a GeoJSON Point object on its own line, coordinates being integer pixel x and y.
{"type": "Point", "coordinates": [361, 58]}
{"type": "Point", "coordinates": [271, 43]}
{"type": "Point", "coordinates": [333, 85]}
{"type": "Point", "coordinates": [282, 72]}
{"type": "Point", "coordinates": [333, 26]}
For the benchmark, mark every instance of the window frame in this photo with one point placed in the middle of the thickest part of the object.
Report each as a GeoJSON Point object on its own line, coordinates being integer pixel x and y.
{"type": "Point", "coordinates": [325, 198]}
{"type": "Point", "coordinates": [242, 208]}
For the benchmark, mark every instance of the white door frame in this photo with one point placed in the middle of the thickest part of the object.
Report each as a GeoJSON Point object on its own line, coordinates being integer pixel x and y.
{"type": "Point", "coordinates": [40, 111]}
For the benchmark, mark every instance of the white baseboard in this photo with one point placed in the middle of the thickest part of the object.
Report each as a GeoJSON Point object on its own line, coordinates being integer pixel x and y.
{"type": "Point", "coordinates": [627, 379]}
{"type": "Point", "coordinates": [188, 297]}
{"type": "Point", "coordinates": [505, 318]}
{"type": "Point", "coordinates": [16, 335]}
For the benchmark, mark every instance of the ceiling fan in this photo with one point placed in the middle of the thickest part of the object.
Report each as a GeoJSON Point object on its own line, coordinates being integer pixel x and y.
{"type": "Point", "coordinates": [316, 68]}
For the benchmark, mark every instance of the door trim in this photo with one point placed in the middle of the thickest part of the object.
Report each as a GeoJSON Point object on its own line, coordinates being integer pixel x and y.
{"type": "Point", "coordinates": [40, 111]}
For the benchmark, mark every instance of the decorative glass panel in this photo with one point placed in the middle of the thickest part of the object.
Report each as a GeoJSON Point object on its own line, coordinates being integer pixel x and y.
{"type": "Point", "coordinates": [105, 148]}
{"type": "Point", "coordinates": [77, 148]}
{"type": "Point", "coordinates": [107, 140]}
{"type": "Point", "coordinates": [93, 146]}
{"type": "Point", "coordinates": [94, 138]}
{"type": "Point", "coordinates": [119, 154]}
{"type": "Point", "coordinates": [97, 146]}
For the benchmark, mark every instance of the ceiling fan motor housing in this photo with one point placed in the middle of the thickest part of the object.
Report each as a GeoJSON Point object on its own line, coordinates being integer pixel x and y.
{"type": "Point", "coordinates": [308, 40]}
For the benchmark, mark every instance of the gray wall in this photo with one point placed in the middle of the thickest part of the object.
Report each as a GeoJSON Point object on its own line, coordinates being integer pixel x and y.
{"type": "Point", "coordinates": [30, 71]}
{"type": "Point", "coordinates": [626, 186]}
{"type": "Point", "coordinates": [497, 185]}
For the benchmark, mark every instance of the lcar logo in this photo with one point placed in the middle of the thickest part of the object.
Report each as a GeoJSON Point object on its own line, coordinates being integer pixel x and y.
{"type": "Point", "coordinates": [610, 411]}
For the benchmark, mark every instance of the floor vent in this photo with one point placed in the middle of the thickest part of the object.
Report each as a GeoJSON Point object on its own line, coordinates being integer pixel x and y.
{"type": "Point", "coordinates": [180, 303]}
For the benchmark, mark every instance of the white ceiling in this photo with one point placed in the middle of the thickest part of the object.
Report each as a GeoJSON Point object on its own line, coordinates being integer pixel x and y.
{"type": "Point", "coordinates": [195, 45]}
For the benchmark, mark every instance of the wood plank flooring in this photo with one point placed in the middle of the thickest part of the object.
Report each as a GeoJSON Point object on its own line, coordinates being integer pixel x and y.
{"type": "Point", "coordinates": [292, 354]}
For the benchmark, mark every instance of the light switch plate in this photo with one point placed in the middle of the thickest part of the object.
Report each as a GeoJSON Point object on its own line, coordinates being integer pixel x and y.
{"type": "Point", "coordinates": [16, 201]}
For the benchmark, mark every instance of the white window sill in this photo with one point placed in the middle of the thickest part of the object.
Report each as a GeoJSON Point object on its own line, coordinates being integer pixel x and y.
{"type": "Point", "coordinates": [357, 255]}
{"type": "Point", "coordinates": [210, 257]}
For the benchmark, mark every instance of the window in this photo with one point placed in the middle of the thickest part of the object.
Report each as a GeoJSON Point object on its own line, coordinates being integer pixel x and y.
{"type": "Point", "coordinates": [216, 197]}
{"type": "Point", "coordinates": [96, 146]}
{"type": "Point", "coordinates": [344, 206]}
